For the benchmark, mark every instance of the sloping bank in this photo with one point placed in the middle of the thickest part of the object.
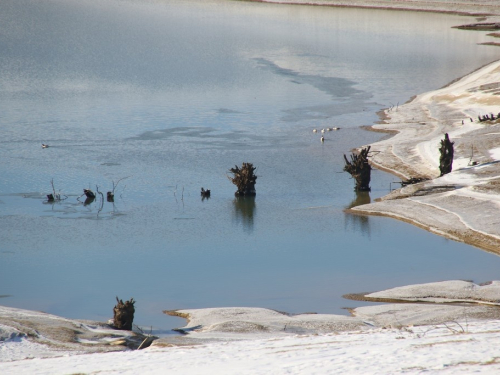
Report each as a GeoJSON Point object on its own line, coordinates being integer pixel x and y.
{"type": "Point", "coordinates": [463, 205]}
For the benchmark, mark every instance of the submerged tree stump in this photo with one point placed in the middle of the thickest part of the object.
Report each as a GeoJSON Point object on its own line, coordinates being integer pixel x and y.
{"type": "Point", "coordinates": [123, 314]}
{"type": "Point", "coordinates": [244, 178]}
{"type": "Point", "coordinates": [89, 193]}
{"type": "Point", "coordinates": [205, 193]}
{"type": "Point", "coordinates": [446, 157]}
{"type": "Point", "coordinates": [359, 169]}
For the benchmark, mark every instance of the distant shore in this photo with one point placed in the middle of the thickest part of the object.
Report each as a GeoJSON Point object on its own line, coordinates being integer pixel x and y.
{"type": "Point", "coordinates": [480, 8]}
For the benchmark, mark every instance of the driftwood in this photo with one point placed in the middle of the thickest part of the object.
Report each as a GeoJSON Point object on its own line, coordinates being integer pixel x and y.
{"type": "Point", "coordinates": [123, 314]}
{"type": "Point", "coordinates": [446, 155]}
{"type": "Point", "coordinates": [359, 168]}
{"type": "Point", "coordinates": [244, 178]}
{"type": "Point", "coordinates": [490, 117]}
{"type": "Point", "coordinates": [413, 180]}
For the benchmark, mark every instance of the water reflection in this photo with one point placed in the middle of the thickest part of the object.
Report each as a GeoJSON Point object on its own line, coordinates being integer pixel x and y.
{"type": "Point", "coordinates": [244, 210]}
{"type": "Point", "coordinates": [360, 223]}
{"type": "Point", "coordinates": [362, 197]}
{"type": "Point", "coordinates": [88, 201]}
{"type": "Point", "coordinates": [205, 194]}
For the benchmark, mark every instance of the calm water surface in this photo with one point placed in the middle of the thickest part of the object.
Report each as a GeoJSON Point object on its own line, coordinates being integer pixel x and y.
{"type": "Point", "coordinates": [167, 96]}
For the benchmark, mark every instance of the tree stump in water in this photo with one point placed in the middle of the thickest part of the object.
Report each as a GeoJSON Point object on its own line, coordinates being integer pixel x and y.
{"type": "Point", "coordinates": [89, 193]}
{"type": "Point", "coordinates": [123, 314]}
{"type": "Point", "coordinates": [244, 179]}
{"type": "Point", "coordinates": [446, 158]}
{"type": "Point", "coordinates": [359, 169]}
{"type": "Point", "coordinates": [205, 193]}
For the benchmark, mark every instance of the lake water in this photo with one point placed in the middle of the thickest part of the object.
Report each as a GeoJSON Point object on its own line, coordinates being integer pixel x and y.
{"type": "Point", "coordinates": [163, 97]}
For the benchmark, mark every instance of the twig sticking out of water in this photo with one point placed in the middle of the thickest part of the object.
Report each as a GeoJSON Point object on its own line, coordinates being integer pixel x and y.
{"type": "Point", "coordinates": [111, 194]}
{"type": "Point", "coordinates": [102, 200]}
{"type": "Point", "coordinates": [54, 196]}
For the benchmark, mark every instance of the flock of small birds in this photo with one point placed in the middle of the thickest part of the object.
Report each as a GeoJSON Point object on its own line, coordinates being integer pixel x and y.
{"type": "Point", "coordinates": [324, 131]}
{"type": "Point", "coordinates": [314, 131]}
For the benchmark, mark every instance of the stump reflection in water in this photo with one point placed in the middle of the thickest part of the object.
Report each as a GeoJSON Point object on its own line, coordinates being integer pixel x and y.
{"type": "Point", "coordinates": [362, 197]}
{"type": "Point", "coordinates": [244, 209]}
{"type": "Point", "coordinates": [360, 222]}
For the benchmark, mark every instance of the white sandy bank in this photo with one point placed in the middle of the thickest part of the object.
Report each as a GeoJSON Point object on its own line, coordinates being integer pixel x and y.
{"type": "Point", "coordinates": [454, 338]}
{"type": "Point", "coordinates": [463, 205]}
{"type": "Point", "coordinates": [453, 349]}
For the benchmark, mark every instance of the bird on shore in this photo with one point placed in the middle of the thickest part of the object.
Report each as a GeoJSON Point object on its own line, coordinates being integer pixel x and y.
{"type": "Point", "coordinates": [322, 130]}
{"type": "Point", "coordinates": [315, 130]}
{"type": "Point", "coordinates": [322, 139]}
{"type": "Point", "coordinates": [335, 128]}
{"type": "Point", "coordinates": [44, 145]}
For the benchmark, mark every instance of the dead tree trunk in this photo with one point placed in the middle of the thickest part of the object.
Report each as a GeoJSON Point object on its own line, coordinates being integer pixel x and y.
{"type": "Point", "coordinates": [359, 169]}
{"type": "Point", "coordinates": [123, 314]}
{"type": "Point", "coordinates": [446, 157]}
{"type": "Point", "coordinates": [244, 178]}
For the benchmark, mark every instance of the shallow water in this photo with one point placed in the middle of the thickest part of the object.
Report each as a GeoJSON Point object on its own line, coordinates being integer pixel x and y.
{"type": "Point", "coordinates": [163, 98]}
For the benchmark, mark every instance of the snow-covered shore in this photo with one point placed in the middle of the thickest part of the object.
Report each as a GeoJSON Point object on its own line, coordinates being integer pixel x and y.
{"type": "Point", "coordinates": [463, 205]}
{"type": "Point", "coordinates": [442, 335]}
{"type": "Point", "coordinates": [414, 350]}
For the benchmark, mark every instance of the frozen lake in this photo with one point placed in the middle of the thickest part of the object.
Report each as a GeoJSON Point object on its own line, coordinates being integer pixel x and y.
{"type": "Point", "coordinates": [165, 97]}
